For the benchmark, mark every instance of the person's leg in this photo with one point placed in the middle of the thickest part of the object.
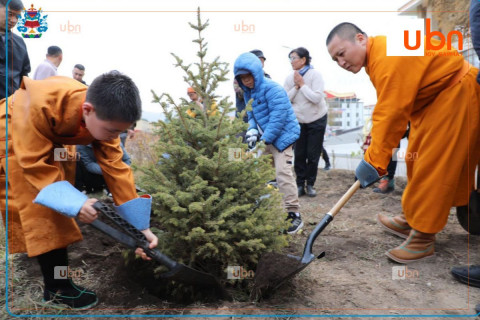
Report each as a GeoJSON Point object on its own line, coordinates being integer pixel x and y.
{"type": "Point", "coordinates": [58, 287]}
{"type": "Point", "coordinates": [93, 182]}
{"type": "Point", "coordinates": [326, 159]}
{"type": "Point", "coordinates": [301, 159]}
{"type": "Point", "coordinates": [443, 146]}
{"type": "Point", "coordinates": [316, 132]}
{"type": "Point", "coordinates": [387, 184]}
{"type": "Point", "coordinates": [287, 186]}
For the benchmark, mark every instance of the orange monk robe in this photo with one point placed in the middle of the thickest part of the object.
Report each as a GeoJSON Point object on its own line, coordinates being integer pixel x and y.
{"type": "Point", "coordinates": [44, 115]}
{"type": "Point", "coordinates": [440, 96]}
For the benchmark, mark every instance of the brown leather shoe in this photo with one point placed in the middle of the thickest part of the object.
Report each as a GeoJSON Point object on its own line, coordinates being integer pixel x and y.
{"type": "Point", "coordinates": [397, 225]}
{"type": "Point", "coordinates": [418, 246]}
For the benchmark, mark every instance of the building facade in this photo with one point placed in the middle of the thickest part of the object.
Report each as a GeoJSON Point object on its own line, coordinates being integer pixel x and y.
{"type": "Point", "coordinates": [345, 111]}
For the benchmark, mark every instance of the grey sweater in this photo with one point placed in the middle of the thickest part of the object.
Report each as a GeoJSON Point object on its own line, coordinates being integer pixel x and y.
{"type": "Point", "coordinates": [308, 102]}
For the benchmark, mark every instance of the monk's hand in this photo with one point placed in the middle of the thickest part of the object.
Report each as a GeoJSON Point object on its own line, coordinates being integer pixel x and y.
{"type": "Point", "coordinates": [88, 213]}
{"type": "Point", "coordinates": [298, 79]}
{"type": "Point", "coordinates": [153, 243]}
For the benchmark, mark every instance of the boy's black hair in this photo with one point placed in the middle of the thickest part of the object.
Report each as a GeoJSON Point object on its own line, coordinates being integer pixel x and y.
{"type": "Point", "coordinates": [345, 30]}
{"type": "Point", "coordinates": [115, 97]}
{"type": "Point", "coordinates": [302, 53]}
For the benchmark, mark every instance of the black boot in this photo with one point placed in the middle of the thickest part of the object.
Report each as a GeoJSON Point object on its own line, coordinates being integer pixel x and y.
{"type": "Point", "coordinates": [301, 190]}
{"type": "Point", "coordinates": [468, 275]}
{"type": "Point", "coordinates": [63, 291]}
{"type": "Point", "coordinates": [310, 191]}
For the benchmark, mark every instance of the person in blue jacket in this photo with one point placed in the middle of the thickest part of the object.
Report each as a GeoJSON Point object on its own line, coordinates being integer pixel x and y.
{"type": "Point", "coordinates": [89, 175]}
{"type": "Point", "coordinates": [273, 121]}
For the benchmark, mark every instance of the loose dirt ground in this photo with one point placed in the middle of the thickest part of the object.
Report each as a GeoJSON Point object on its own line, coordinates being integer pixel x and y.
{"type": "Point", "coordinates": [354, 277]}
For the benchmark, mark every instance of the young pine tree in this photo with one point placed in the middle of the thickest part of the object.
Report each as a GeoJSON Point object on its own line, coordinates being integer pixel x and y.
{"type": "Point", "coordinates": [212, 207]}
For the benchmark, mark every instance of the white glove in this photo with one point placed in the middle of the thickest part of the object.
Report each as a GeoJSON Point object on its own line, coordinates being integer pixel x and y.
{"type": "Point", "coordinates": [251, 137]}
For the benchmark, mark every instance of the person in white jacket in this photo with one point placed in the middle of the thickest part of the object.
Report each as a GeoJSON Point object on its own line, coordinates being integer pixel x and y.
{"type": "Point", "coordinates": [305, 88]}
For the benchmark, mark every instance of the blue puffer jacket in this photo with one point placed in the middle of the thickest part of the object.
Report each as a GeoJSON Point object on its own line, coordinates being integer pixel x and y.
{"type": "Point", "coordinates": [271, 108]}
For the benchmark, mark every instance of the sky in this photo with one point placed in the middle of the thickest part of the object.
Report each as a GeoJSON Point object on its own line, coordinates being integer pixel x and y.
{"type": "Point", "coordinates": [137, 38]}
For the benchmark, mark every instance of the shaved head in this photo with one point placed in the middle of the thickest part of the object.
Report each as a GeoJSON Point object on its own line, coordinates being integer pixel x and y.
{"type": "Point", "coordinates": [345, 31]}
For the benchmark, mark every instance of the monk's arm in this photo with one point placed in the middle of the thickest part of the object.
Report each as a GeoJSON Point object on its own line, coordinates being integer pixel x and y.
{"type": "Point", "coordinates": [397, 81]}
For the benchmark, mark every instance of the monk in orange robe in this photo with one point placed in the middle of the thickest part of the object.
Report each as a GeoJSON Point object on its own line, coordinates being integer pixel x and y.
{"type": "Point", "coordinates": [439, 95]}
{"type": "Point", "coordinates": [43, 117]}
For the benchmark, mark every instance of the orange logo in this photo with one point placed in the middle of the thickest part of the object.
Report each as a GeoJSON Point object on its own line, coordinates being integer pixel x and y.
{"type": "Point", "coordinates": [429, 35]}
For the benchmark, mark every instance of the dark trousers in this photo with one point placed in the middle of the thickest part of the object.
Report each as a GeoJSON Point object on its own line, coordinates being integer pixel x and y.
{"type": "Point", "coordinates": [307, 150]}
{"type": "Point", "coordinates": [325, 155]}
{"type": "Point", "coordinates": [85, 180]}
{"type": "Point", "coordinates": [392, 165]}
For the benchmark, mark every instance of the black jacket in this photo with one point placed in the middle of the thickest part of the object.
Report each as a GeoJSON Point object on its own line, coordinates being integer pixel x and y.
{"type": "Point", "coordinates": [18, 61]}
{"type": "Point", "coordinates": [475, 27]}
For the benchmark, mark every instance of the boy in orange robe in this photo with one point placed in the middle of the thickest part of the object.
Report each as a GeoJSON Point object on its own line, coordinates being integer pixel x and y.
{"type": "Point", "coordinates": [441, 98]}
{"type": "Point", "coordinates": [43, 116]}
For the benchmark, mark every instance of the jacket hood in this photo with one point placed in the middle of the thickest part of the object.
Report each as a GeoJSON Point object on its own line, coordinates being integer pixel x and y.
{"type": "Point", "coordinates": [251, 63]}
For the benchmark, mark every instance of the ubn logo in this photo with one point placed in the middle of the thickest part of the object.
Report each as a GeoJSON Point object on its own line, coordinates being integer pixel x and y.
{"type": "Point", "coordinates": [237, 272]}
{"type": "Point", "coordinates": [402, 273]}
{"type": "Point", "coordinates": [64, 272]}
{"type": "Point", "coordinates": [244, 28]}
{"type": "Point", "coordinates": [63, 154]}
{"type": "Point", "coordinates": [398, 154]}
{"type": "Point", "coordinates": [417, 39]}
{"type": "Point", "coordinates": [238, 154]}
{"type": "Point", "coordinates": [70, 28]}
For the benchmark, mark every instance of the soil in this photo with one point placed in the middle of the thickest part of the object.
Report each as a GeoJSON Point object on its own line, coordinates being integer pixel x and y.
{"type": "Point", "coordinates": [354, 277]}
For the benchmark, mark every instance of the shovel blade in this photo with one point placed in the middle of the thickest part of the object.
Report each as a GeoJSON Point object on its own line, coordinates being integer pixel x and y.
{"type": "Point", "coordinates": [274, 270]}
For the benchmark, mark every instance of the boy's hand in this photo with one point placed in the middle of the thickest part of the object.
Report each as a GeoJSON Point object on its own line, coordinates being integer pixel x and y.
{"type": "Point", "coordinates": [251, 137]}
{"type": "Point", "coordinates": [153, 243]}
{"type": "Point", "coordinates": [88, 213]}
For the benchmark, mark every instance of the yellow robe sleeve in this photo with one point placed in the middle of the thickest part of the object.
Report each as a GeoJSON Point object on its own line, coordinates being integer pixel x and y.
{"type": "Point", "coordinates": [117, 174]}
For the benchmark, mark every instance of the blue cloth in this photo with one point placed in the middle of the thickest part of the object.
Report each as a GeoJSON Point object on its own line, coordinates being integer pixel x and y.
{"type": "Point", "coordinates": [62, 197]}
{"type": "Point", "coordinates": [366, 173]}
{"type": "Point", "coordinates": [137, 212]}
{"type": "Point", "coordinates": [305, 69]}
{"type": "Point", "coordinates": [271, 108]}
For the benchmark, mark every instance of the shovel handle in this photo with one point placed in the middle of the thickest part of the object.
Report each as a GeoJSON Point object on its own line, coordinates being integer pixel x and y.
{"type": "Point", "coordinates": [340, 203]}
{"type": "Point", "coordinates": [307, 251]}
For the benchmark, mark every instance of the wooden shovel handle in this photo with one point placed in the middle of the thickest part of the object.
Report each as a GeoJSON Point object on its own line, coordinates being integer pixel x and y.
{"type": "Point", "coordinates": [340, 203]}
